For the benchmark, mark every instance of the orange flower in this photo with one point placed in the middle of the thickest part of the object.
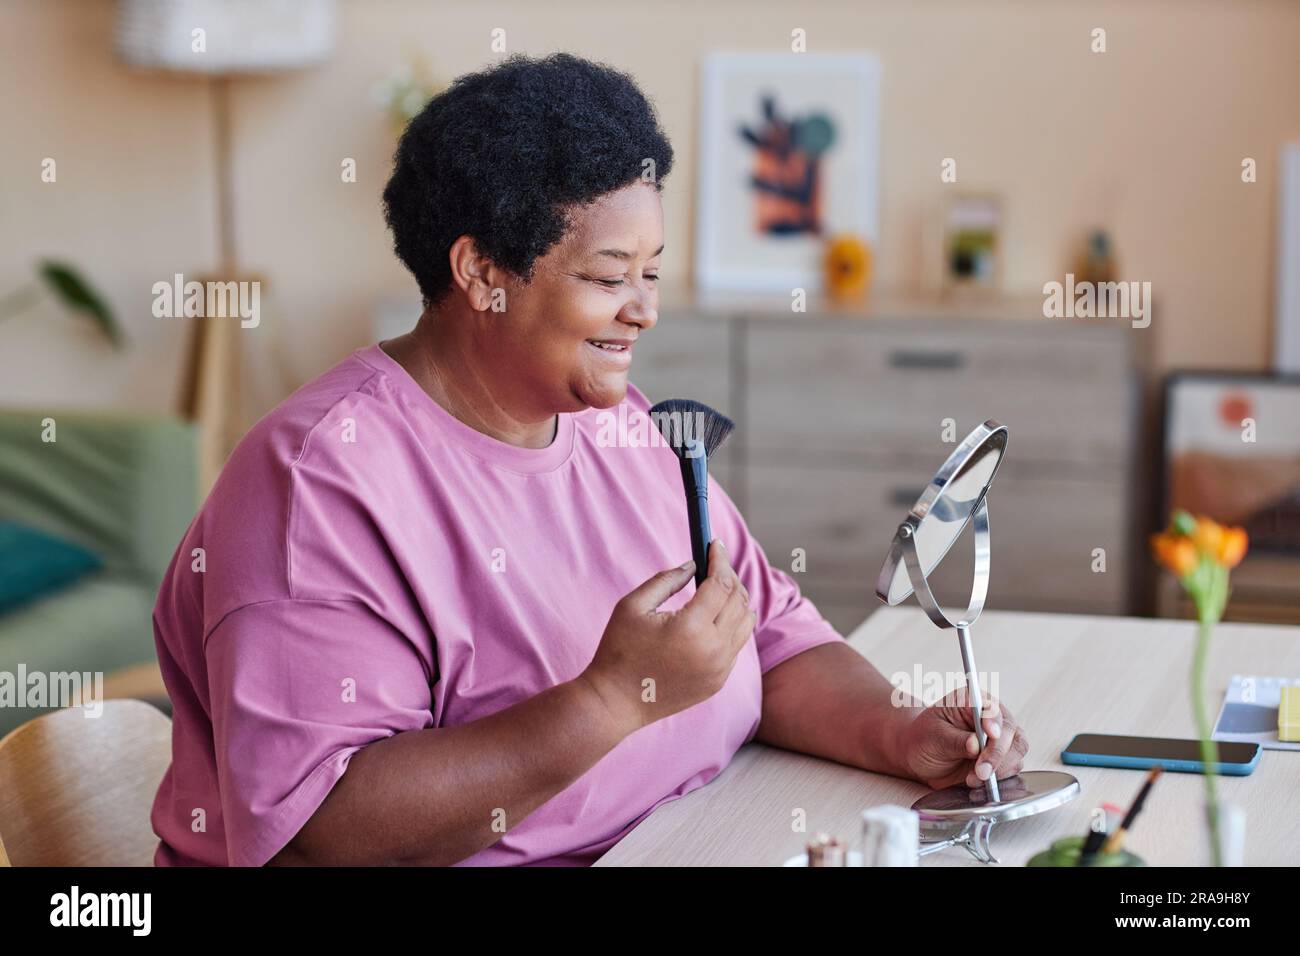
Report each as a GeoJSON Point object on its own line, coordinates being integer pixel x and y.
{"type": "Point", "coordinates": [1161, 545]}
{"type": "Point", "coordinates": [1184, 558]}
{"type": "Point", "coordinates": [1208, 537]}
{"type": "Point", "coordinates": [1176, 552]}
{"type": "Point", "coordinates": [1231, 547]}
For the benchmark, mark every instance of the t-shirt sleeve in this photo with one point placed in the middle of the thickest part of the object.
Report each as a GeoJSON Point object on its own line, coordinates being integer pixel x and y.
{"type": "Point", "coordinates": [788, 623]}
{"type": "Point", "coordinates": [297, 686]}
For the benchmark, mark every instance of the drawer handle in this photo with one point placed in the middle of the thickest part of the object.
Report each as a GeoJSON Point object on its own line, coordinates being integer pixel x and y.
{"type": "Point", "coordinates": [914, 359]}
{"type": "Point", "coordinates": [905, 497]}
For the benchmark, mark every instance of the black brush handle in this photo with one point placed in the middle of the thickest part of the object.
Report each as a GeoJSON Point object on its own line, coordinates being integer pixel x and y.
{"type": "Point", "coordinates": [695, 481]}
{"type": "Point", "coordinates": [1091, 844]}
{"type": "Point", "coordinates": [697, 508]}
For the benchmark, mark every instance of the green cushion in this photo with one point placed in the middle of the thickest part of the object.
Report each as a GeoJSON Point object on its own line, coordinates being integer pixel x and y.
{"type": "Point", "coordinates": [33, 564]}
{"type": "Point", "coordinates": [124, 487]}
{"type": "Point", "coordinates": [101, 623]}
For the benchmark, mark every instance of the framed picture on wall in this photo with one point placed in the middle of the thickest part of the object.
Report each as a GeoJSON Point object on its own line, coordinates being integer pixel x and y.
{"type": "Point", "coordinates": [972, 240]}
{"type": "Point", "coordinates": [1232, 452]}
{"type": "Point", "coordinates": [789, 157]}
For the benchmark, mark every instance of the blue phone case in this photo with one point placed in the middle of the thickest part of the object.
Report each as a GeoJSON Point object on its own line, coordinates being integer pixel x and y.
{"type": "Point", "coordinates": [1146, 763]}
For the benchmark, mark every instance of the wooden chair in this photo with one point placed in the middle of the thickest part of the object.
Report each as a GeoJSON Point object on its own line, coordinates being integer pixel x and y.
{"type": "Point", "coordinates": [77, 791]}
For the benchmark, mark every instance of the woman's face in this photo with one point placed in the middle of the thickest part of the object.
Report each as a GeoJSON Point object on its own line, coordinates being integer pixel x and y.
{"type": "Point", "coordinates": [571, 330]}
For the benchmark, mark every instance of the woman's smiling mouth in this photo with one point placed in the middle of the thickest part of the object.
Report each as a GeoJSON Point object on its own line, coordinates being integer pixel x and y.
{"type": "Point", "coordinates": [618, 351]}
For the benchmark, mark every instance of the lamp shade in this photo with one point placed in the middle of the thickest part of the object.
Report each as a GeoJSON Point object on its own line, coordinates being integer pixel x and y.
{"type": "Point", "coordinates": [225, 36]}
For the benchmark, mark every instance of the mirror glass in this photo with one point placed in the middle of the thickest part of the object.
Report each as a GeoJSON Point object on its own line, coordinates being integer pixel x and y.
{"type": "Point", "coordinates": [945, 507]}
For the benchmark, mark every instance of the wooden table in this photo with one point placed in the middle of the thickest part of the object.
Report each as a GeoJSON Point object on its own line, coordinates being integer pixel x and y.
{"type": "Point", "coordinates": [1059, 675]}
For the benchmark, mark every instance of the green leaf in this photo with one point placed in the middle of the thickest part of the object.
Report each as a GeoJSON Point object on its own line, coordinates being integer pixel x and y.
{"type": "Point", "coordinates": [76, 294]}
{"type": "Point", "coordinates": [1183, 522]}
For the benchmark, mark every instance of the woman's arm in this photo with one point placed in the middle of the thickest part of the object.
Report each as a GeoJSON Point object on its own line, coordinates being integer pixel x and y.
{"type": "Point", "coordinates": [831, 702]}
{"type": "Point", "coordinates": [821, 697]}
{"type": "Point", "coordinates": [437, 796]}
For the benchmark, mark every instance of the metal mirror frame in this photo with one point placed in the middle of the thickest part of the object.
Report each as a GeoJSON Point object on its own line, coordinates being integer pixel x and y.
{"type": "Point", "coordinates": [932, 498]}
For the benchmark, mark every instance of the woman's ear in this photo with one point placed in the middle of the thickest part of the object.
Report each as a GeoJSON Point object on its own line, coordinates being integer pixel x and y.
{"type": "Point", "coordinates": [472, 272]}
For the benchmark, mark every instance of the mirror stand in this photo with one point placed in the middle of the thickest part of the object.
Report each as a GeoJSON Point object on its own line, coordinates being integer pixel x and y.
{"type": "Point", "coordinates": [974, 836]}
{"type": "Point", "coordinates": [979, 593]}
{"type": "Point", "coordinates": [961, 815]}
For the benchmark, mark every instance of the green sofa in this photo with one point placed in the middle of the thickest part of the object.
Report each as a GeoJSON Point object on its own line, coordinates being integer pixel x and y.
{"type": "Point", "coordinates": [124, 487]}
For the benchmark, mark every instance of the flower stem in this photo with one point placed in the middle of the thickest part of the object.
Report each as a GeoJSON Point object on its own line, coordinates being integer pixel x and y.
{"type": "Point", "coordinates": [1209, 749]}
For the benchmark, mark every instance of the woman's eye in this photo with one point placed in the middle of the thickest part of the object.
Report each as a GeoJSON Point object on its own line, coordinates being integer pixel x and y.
{"type": "Point", "coordinates": [615, 283]}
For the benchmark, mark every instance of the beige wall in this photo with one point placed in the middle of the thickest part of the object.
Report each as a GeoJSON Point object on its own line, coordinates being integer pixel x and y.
{"type": "Point", "coordinates": [1146, 139]}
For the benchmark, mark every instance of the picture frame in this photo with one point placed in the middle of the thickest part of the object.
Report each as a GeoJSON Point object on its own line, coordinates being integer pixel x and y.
{"type": "Point", "coordinates": [1209, 467]}
{"type": "Point", "coordinates": [789, 149]}
{"type": "Point", "coordinates": [972, 244]}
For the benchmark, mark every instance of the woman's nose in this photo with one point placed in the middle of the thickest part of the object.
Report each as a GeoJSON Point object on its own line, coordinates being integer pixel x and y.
{"type": "Point", "coordinates": [643, 310]}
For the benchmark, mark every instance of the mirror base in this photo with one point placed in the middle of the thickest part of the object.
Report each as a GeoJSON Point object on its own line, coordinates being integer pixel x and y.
{"type": "Point", "coordinates": [965, 816]}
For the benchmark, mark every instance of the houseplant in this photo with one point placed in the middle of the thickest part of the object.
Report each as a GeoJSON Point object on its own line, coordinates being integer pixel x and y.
{"type": "Point", "coordinates": [72, 291]}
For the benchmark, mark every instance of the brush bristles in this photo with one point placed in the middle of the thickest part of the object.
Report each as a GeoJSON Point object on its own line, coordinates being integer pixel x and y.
{"type": "Point", "coordinates": [682, 420]}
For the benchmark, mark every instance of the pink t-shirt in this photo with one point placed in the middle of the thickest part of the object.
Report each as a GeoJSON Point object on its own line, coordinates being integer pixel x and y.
{"type": "Point", "coordinates": [368, 565]}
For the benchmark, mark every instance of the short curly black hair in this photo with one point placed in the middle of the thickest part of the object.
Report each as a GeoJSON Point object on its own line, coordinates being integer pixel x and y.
{"type": "Point", "coordinates": [502, 154]}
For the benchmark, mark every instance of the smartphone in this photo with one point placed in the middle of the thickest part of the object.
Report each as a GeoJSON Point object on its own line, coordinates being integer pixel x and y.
{"type": "Point", "coordinates": [1141, 753]}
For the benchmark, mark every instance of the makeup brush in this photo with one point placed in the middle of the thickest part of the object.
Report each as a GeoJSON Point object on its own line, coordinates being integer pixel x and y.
{"type": "Point", "coordinates": [1116, 839]}
{"type": "Point", "coordinates": [694, 432]}
{"type": "Point", "coordinates": [1102, 842]}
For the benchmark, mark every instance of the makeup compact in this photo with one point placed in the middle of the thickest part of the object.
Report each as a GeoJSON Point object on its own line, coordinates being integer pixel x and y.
{"type": "Point", "coordinates": [957, 496]}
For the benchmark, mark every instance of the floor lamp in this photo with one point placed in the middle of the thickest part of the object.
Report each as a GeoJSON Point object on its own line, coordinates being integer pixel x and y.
{"type": "Point", "coordinates": [222, 39]}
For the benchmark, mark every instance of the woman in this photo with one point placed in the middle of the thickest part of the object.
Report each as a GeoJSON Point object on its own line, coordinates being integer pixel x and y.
{"type": "Point", "coordinates": [426, 617]}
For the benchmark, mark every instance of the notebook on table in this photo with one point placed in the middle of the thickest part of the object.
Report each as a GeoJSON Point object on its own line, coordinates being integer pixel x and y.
{"type": "Point", "coordinates": [1249, 712]}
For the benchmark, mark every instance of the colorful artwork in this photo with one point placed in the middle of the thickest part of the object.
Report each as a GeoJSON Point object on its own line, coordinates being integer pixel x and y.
{"type": "Point", "coordinates": [789, 159]}
{"type": "Point", "coordinates": [786, 181]}
{"type": "Point", "coordinates": [1232, 447]}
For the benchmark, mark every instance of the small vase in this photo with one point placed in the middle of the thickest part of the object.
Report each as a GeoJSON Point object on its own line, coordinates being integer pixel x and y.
{"type": "Point", "coordinates": [1232, 834]}
{"type": "Point", "coordinates": [1065, 852]}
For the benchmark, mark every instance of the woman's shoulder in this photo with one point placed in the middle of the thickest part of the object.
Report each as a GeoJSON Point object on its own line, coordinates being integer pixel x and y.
{"type": "Point", "coordinates": [308, 469]}
{"type": "Point", "coordinates": [344, 420]}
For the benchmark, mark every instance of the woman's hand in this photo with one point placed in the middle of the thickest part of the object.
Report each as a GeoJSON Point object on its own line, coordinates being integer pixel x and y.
{"type": "Point", "coordinates": [651, 664]}
{"type": "Point", "coordinates": [940, 747]}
